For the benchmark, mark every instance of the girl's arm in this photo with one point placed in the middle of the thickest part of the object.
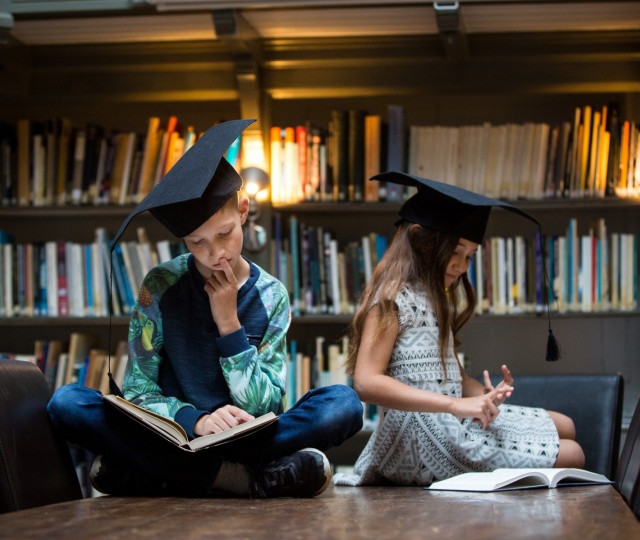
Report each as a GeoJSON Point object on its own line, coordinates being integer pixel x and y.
{"type": "Point", "coordinates": [470, 386]}
{"type": "Point", "coordinates": [373, 385]}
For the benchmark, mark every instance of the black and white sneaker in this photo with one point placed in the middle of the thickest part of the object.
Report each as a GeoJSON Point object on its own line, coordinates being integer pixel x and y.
{"type": "Point", "coordinates": [111, 477]}
{"type": "Point", "coordinates": [306, 473]}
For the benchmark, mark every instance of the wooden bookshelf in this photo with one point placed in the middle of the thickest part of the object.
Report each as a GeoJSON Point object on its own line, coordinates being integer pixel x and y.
{"type": "Point", "coordinates": [516, 77]}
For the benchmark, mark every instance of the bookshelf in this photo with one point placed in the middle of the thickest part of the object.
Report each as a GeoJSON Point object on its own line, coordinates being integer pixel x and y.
{"type": "Point", "coordinates": [518, 76]}
{"type": "Point", "coordinates": [591, 342]}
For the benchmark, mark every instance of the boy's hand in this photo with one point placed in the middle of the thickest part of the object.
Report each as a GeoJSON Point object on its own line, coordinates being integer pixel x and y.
{"type": "Point", "coordinates": [221, 419]}
{"type": "Point", "coordinates": [222, 289]}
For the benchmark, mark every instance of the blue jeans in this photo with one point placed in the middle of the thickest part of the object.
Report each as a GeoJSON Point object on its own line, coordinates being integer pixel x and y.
{"type": "Point", "coordinates": [323, 418]}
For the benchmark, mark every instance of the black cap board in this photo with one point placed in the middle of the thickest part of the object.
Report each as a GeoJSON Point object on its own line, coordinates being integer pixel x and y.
{"type": "Point", "coordinates": [448, 208]}
{"type": "Point", "coordinates": [197, 186]}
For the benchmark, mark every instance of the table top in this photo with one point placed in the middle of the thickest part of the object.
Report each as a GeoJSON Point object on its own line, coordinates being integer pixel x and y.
{"type": "Point", "coordinates": [341, 512]}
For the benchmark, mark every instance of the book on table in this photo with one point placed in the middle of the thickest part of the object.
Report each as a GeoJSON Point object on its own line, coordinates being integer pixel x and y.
{"type": "Point", "coordinates": [175, 433]}
{"type": "Point", "coordinates": [509, 479]}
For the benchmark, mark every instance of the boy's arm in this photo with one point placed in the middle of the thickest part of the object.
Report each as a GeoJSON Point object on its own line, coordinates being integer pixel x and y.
{"type": "Point", "coordinates": [145, 340]}
{"type": "Point", "coordinates": [256, 375]}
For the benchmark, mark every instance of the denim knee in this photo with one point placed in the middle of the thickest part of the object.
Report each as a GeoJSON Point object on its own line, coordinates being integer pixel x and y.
{"type": "Point", "coordinates": [346, 406]}
{"type": "Point", "coordinates": [64, 405]}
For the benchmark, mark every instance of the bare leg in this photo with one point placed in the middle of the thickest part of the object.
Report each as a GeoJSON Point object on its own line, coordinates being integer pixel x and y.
{"type": "Point", "coordinates": [570, 453]}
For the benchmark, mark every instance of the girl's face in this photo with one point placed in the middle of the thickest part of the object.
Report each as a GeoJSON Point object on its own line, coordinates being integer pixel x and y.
{"type": "Point", "coordinates": [220, 237]}
{"type": "Point", "coordinates": [459, 262]}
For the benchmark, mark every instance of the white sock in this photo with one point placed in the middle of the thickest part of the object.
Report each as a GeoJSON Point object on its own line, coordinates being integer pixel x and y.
{"type": "Point", "coordinates": [232, 478]}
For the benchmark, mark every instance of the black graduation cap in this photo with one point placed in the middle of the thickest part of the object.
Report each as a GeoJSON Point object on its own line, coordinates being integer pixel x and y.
{"type": "Point", "coordinates": [448, 208]}
{"type": "Point", "coordinates": [459, 212]}
{"type": "Point", "coordinates": [197, 186]}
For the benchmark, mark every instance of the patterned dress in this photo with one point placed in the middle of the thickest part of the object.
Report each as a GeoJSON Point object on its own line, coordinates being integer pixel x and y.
{"type": "Point", "coordinates": [415, 449]}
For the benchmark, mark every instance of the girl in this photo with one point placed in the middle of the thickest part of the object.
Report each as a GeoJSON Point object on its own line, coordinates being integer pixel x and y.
{"type": "Point", "coordinates": [436, 421]}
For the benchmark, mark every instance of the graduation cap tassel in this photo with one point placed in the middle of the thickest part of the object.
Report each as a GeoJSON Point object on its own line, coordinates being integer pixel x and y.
{"type": "Point", "coordinates": [553, 348]}
{"type": "Point", "coordinates": [113, 387]}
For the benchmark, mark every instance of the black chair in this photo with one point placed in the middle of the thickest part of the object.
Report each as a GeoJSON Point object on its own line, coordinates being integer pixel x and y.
{"type": "Point", "coordinates": [35, 463]}
{"type": "Point", "coordinates": [627, 479]}
{"type": "Point", "coordinates": [592, 401]}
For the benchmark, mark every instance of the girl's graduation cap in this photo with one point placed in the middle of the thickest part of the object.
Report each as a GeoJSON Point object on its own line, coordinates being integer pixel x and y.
{"type": "Point", "coordinates": [197, 186]}
{"type": "Point", "coordinates": [446, 208]}
{"type": "Point", "coordinates": [458, 212]}
{"type": "Point", "coordinates": [194, 189]}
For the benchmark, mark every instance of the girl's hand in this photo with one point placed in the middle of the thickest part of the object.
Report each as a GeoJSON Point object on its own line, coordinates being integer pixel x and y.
{"type": "Point", "coordinates": [483, 408]}
{"type": "Point", "coordinates": [506, 385]}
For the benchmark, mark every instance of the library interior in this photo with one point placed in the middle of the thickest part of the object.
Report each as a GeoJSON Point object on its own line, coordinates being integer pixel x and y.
{"type": "Point", "coordinates": [532, 102]}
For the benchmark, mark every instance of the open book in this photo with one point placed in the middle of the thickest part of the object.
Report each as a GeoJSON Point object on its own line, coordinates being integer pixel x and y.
{"type": "Point", "coordinates": [175, 433]}
{"type": "Point", "coordinates": [505, 479]}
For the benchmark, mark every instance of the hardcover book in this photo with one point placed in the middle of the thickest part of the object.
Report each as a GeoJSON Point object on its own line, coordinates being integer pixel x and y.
{"type": "Point", "coordinates": [174, 432]}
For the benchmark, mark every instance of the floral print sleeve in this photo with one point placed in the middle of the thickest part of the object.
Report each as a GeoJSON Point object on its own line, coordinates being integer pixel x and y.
{"type": "Point", "coordinates": [256, 376]}
{"type": "Point", "coordinates": [145, 342]}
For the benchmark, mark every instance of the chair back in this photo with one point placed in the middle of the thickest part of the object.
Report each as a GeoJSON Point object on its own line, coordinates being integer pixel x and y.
{"type": "Point", "coordinates": [592, 401]}
{"type": "Point", "coordinates": [35, 463]}
{"type": "Point", "coordinates": [628, 473]}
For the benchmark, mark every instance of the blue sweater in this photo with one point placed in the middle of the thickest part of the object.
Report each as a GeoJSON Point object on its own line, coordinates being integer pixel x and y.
{"type": "Point", "coordinates": [180, 367]}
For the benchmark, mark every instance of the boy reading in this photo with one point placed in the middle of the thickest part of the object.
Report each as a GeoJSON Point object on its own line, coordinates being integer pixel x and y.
{"type": "Point", "coordinates": [207, 342]}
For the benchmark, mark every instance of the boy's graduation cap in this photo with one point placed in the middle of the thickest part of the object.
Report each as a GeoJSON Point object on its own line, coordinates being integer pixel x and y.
{"type": "Point", "coordinates": [194, 189]}
{"type": "Point", "coordinates": [458, 212]}
{"type": "Point", "coordinates": [197, 186]}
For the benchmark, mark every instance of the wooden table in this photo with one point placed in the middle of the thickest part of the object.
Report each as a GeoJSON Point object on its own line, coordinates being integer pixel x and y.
{"type": "Point", "coordinates": [596, 512]}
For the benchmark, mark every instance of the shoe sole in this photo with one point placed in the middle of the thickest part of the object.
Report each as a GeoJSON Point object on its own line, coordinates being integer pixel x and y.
{"type": "Point", "coordinates": [328, 474]}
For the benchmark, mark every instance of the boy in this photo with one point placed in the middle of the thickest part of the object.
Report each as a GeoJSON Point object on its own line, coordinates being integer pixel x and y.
{"type": "Point", "coordinates": [207, 348]}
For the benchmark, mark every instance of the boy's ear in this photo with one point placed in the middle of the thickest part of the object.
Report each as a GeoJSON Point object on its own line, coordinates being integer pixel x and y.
{"type": "Point", "coordinates": [243, 208]}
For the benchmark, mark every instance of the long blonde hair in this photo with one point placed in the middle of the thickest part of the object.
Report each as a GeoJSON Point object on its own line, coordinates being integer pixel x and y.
{"type": "Point", "coordinates": [417, 256]}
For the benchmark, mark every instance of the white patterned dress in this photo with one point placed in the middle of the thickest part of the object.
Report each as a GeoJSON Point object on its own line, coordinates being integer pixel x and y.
{"type": "Point", "coordinates": [415, 449]}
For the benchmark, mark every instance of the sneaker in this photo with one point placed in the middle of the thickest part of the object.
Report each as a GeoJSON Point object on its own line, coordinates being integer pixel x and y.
{"type": "Point", "coordinates": [306, 473]}
{"type": "Point", "coordinates": [112, 477]}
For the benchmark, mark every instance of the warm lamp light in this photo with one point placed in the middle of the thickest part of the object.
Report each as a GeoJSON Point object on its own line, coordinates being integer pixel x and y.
{"type": "Point", "coordinates": [256, 183]}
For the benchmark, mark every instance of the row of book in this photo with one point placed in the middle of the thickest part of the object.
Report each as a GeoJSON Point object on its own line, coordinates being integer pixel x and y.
{"type": "Point", "coordinates": [63, 278]}
{"type": "Point", "coordinates": [321, 276]}
{"type": "Point", "coordinates": [334, 163]}
{"type": "Point", "coordinates": [76, 361]}
{"type": "Point", "coordinates": [54, 162]}
{"type": "Point", "coordinates": [592, 271]}
{"type": "Point", "coordinates": [596, 154]}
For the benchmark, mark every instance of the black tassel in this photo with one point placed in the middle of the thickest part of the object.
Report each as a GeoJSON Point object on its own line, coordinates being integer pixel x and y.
{"type": "Point", "coordinates": [113, 387]}
{"type": "Point", "coordinates": [553, 349]}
